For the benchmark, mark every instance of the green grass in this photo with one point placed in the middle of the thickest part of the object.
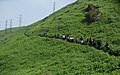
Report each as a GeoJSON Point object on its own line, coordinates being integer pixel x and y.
{"type": "Point", "coordinates": [24, 52]}
{"type": "Point", "coordinates": [41, 55]}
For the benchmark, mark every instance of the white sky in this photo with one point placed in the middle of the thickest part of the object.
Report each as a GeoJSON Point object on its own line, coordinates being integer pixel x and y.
{"type": "Point", "coordinates": [31, 10]}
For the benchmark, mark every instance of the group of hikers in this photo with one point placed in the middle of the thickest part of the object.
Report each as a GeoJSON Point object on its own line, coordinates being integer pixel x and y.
{"type": "Point", "coordinates": [88, 41]}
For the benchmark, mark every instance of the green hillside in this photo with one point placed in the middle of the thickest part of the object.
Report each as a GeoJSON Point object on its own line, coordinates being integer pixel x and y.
{"type": "Point", "coordinates": [69, 21]}
{"type": "Point", "coordinates": [30, 50]}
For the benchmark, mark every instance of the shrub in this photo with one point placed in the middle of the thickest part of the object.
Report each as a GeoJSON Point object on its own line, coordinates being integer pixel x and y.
{"type": "Point", "coordinates": [92, 16]}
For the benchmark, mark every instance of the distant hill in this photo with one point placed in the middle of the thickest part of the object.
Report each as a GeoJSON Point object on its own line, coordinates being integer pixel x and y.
{"type": "Point", "coordinates": [31, 50]}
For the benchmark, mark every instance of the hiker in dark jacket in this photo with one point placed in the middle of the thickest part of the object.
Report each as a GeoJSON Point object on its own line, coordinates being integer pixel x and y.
{"type": "Point", "coordinates": [81, 41]}
{"type": "Point", "coordinates": [86, 42]}
{"type": "Point", "coordinates": [99, 44]}
{"type": "Point", "coordinates": [107, 47]}
{"type": "Point", "coordinates": [90, 41]}
{"type": "Point", "coordinates": [94, 43]}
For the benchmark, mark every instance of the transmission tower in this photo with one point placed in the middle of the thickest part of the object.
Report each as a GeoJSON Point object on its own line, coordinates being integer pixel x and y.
{"type": "Point", "coordinates": [0, 25]}
{"type": "Point", "coordinates": [20, 20]}
{"type": "Point", "coordinates": [54, 5]}
{"type": "Point", "coordinates": [6, 23]}
{"type": "Point", "coordinates": [10, 24]}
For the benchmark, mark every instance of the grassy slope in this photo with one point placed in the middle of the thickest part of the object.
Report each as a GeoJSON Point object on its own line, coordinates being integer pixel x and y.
{"type": "Point", "coordinates": [70, 21]}
{"type": "Point", "coordinates": [34, 55]}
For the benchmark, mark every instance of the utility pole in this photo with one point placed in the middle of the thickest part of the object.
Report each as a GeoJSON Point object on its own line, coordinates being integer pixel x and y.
{"type": "Point", "coordinates": [54, 5]}
{"type": "Point", "coordinates": [20, 20]}
{"type": "Point", "coordinates": [10, 25]}
{"type": "Point", "coordinates": [6, 26]}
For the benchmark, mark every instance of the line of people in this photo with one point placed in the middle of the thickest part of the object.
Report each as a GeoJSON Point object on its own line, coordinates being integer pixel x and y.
{"type": "Point", "coordinates": [88, 41]}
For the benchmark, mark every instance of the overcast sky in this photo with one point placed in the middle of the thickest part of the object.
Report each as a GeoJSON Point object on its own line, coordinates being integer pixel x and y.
{"type": "Point", "coordinates": [31, 10]}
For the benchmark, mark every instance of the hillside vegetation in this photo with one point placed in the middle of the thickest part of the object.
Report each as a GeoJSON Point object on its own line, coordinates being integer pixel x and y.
{"type": "Point", "coordinates": [27, 50]}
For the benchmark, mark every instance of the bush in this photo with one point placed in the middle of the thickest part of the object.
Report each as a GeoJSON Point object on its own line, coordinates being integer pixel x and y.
{"type": "Point", "coordinates": [92, 16]}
